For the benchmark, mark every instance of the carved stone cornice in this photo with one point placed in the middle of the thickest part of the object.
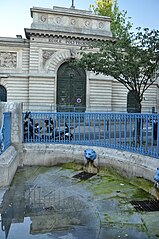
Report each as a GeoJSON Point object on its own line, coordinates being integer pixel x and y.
{"type": "Point", "coordinates": [31, 33]}
{"type": "Point", "coordinates": [15, 42]}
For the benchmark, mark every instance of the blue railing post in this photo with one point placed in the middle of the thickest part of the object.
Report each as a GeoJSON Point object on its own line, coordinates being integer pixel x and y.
{"type": "Point", "coordinates": [133, 132]}
{"type": "Point", "coordinates": [5, 132]}
{"type": "Point", "coordinates": [7, 129]}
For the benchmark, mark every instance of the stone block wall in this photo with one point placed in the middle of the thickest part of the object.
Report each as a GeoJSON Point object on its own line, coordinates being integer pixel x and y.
{"type": "Point", "coordinates": [10, 158]}
{"type": "Point", "coordinates": [8, 166]}
{"type": "Point", "coordinates": [16, 121]}
{"type": "Point", "coordinates": [126, 163]}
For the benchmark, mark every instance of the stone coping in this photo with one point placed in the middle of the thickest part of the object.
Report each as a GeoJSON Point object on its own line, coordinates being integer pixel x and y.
{"type": "Point", "coordinates": [8, 166]}
{"type": "Point", "coordinates": [126, 163]}
{"type": "Point", "coordinates": [8, 156]}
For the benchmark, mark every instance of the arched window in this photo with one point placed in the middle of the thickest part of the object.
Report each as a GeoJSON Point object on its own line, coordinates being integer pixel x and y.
{"type": "Point", "coordinates": [3, 93]}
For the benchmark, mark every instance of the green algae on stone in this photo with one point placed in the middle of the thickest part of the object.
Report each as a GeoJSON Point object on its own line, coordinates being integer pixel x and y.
{"type": "Point", "coordinates": [109, 182]}
{"type": "Point", "coordinates": [120, 218]}
{"type": "Point", "coordinates": [106, 196]}
{"type": "Point", "coordinates": [141, 194]}
{"type": "Point", "coordinates": [142, 183]}
{"type": "Point", "coordinates": [113, 185]}
{"type": "Point", "coordinates": [72, 165]}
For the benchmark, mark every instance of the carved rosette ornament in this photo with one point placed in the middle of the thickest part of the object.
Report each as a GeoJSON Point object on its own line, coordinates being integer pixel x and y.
{"type": "Point", "coordinates": [73, 21]}
{"type": "Point", "coordinates": [87, 23]}
{"type": "Point", "coordinates": [58, 20]}
{"type": "Point", "coordinates": [101, 25]}
{"type": "Point", "coordinates": [47, 55]}
{"type": "Point", "coordinates": [8, 59]}
{"type": "Point", "coordinates": [43, 18]}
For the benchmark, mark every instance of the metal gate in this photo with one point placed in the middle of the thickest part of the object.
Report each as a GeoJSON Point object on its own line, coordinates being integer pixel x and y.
{"type": "Point", "coordinates": [132, 104]}
{"type": "Point", "coordinates": [71, 88]}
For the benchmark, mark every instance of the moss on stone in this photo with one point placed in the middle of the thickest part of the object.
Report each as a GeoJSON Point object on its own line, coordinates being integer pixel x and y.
{"type": "Point", "coordinates": [112, 185]}
{"type": "Point", "coordinates": [72, 165]}
{"type": "Point", "coordinates": [109, 181]}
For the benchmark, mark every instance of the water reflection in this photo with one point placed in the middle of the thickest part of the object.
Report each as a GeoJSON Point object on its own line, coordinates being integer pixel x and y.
{"type": "Point", "coordinates": [50, 203]}
{"type": "Point", "coordinates": [33, 211]}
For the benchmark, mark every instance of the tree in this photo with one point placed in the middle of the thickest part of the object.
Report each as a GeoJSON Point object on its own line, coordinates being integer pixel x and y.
{"type": "Point", "coordinates": [133, 61]}
{"type": "Point", "coordinates": [120, 24]}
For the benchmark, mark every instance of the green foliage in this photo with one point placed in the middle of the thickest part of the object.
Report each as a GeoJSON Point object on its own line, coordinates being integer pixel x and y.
{"type": "Point", "coordinates": [120, 24]}
{"type": "Point", "coordinates": [133, 60]}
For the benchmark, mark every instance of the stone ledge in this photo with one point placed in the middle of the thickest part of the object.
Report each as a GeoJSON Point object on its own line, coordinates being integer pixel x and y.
{"type": "Point", "coordinates": [8, 166]}
{"type": "Point", "coordinates": [126, 163]}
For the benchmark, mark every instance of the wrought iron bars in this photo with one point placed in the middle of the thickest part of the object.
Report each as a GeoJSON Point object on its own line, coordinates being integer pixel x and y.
{"type": "Point", "coordinates": [5, 132]}
{"type": "Point", "coordinates": [133, 132]}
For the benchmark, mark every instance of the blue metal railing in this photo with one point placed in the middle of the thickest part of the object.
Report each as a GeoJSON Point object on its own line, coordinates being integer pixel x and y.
{"type": "Point", "coordinates": [131, 132]}
{"type": "Point", "coordinates": [5, 132]}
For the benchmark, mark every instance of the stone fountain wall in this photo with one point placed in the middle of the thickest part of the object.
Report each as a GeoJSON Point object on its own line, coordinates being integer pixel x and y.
{"type": "Point", "coordinates": [18, 154]}
{"type": "Point", "coordinates": [9, 160]}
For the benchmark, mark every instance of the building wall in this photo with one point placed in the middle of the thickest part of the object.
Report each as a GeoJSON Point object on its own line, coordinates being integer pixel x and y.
{"type": "Point", "coordinates": [16, 121]}
{"type": "Point", "coordinates": [34, 79]}
{"type": "Point", "coordinates": [119, 97]}
{"type": "Point", "coordinates": [14, 68]}
{"type": "Point", "coordinates": [100, 93]}
{"type": "Point", "coordinates": [28, 67]}
{"type": "Point", "coordinates": [42, 90]}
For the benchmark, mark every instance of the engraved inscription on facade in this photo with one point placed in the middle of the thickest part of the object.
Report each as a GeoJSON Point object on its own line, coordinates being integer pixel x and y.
{"type": "Point", "coordinates": [55, 40]}
{"type": "Point", "coordinates": [8, 59]}
{"type": "Point", "coordinates": [47, 55]}
{"type": "Point", "coordinates": [67, 41]}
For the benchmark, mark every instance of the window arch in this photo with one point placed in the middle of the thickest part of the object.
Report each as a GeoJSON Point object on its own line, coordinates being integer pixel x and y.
{"type": "Point", "coordinates": [3, 93]}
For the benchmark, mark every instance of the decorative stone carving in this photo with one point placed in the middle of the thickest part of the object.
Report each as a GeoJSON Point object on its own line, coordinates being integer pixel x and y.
{"type": "Point", "coordinates": [58, 20]}
{"type": "Point", "coordinates": [47, 55]}
{"type": "Point", "coordinates": [101, 25]}
{"type": "Point", "coordinates": [67, 19]}
{"type": "Point", "coordinates": [73, 52]}
{"type": "Point", "coordinates": [87, 23]}
{"type": "Point", "coordinates": [61, 56]}
{"type": "Point", "coordinates": [43, 18]}
{"type": "Point", "coordinates": [8, 59]}
{"type": "Point", "coordinates": [73, 21]}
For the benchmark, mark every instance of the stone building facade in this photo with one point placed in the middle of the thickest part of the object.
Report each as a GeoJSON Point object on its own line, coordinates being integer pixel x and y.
{"type": "Point", "coordinates": [36, 70]}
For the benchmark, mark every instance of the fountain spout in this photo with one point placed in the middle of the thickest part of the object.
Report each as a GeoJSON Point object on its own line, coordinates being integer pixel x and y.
{"type": "Point", "coordinates": [90, 164]}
